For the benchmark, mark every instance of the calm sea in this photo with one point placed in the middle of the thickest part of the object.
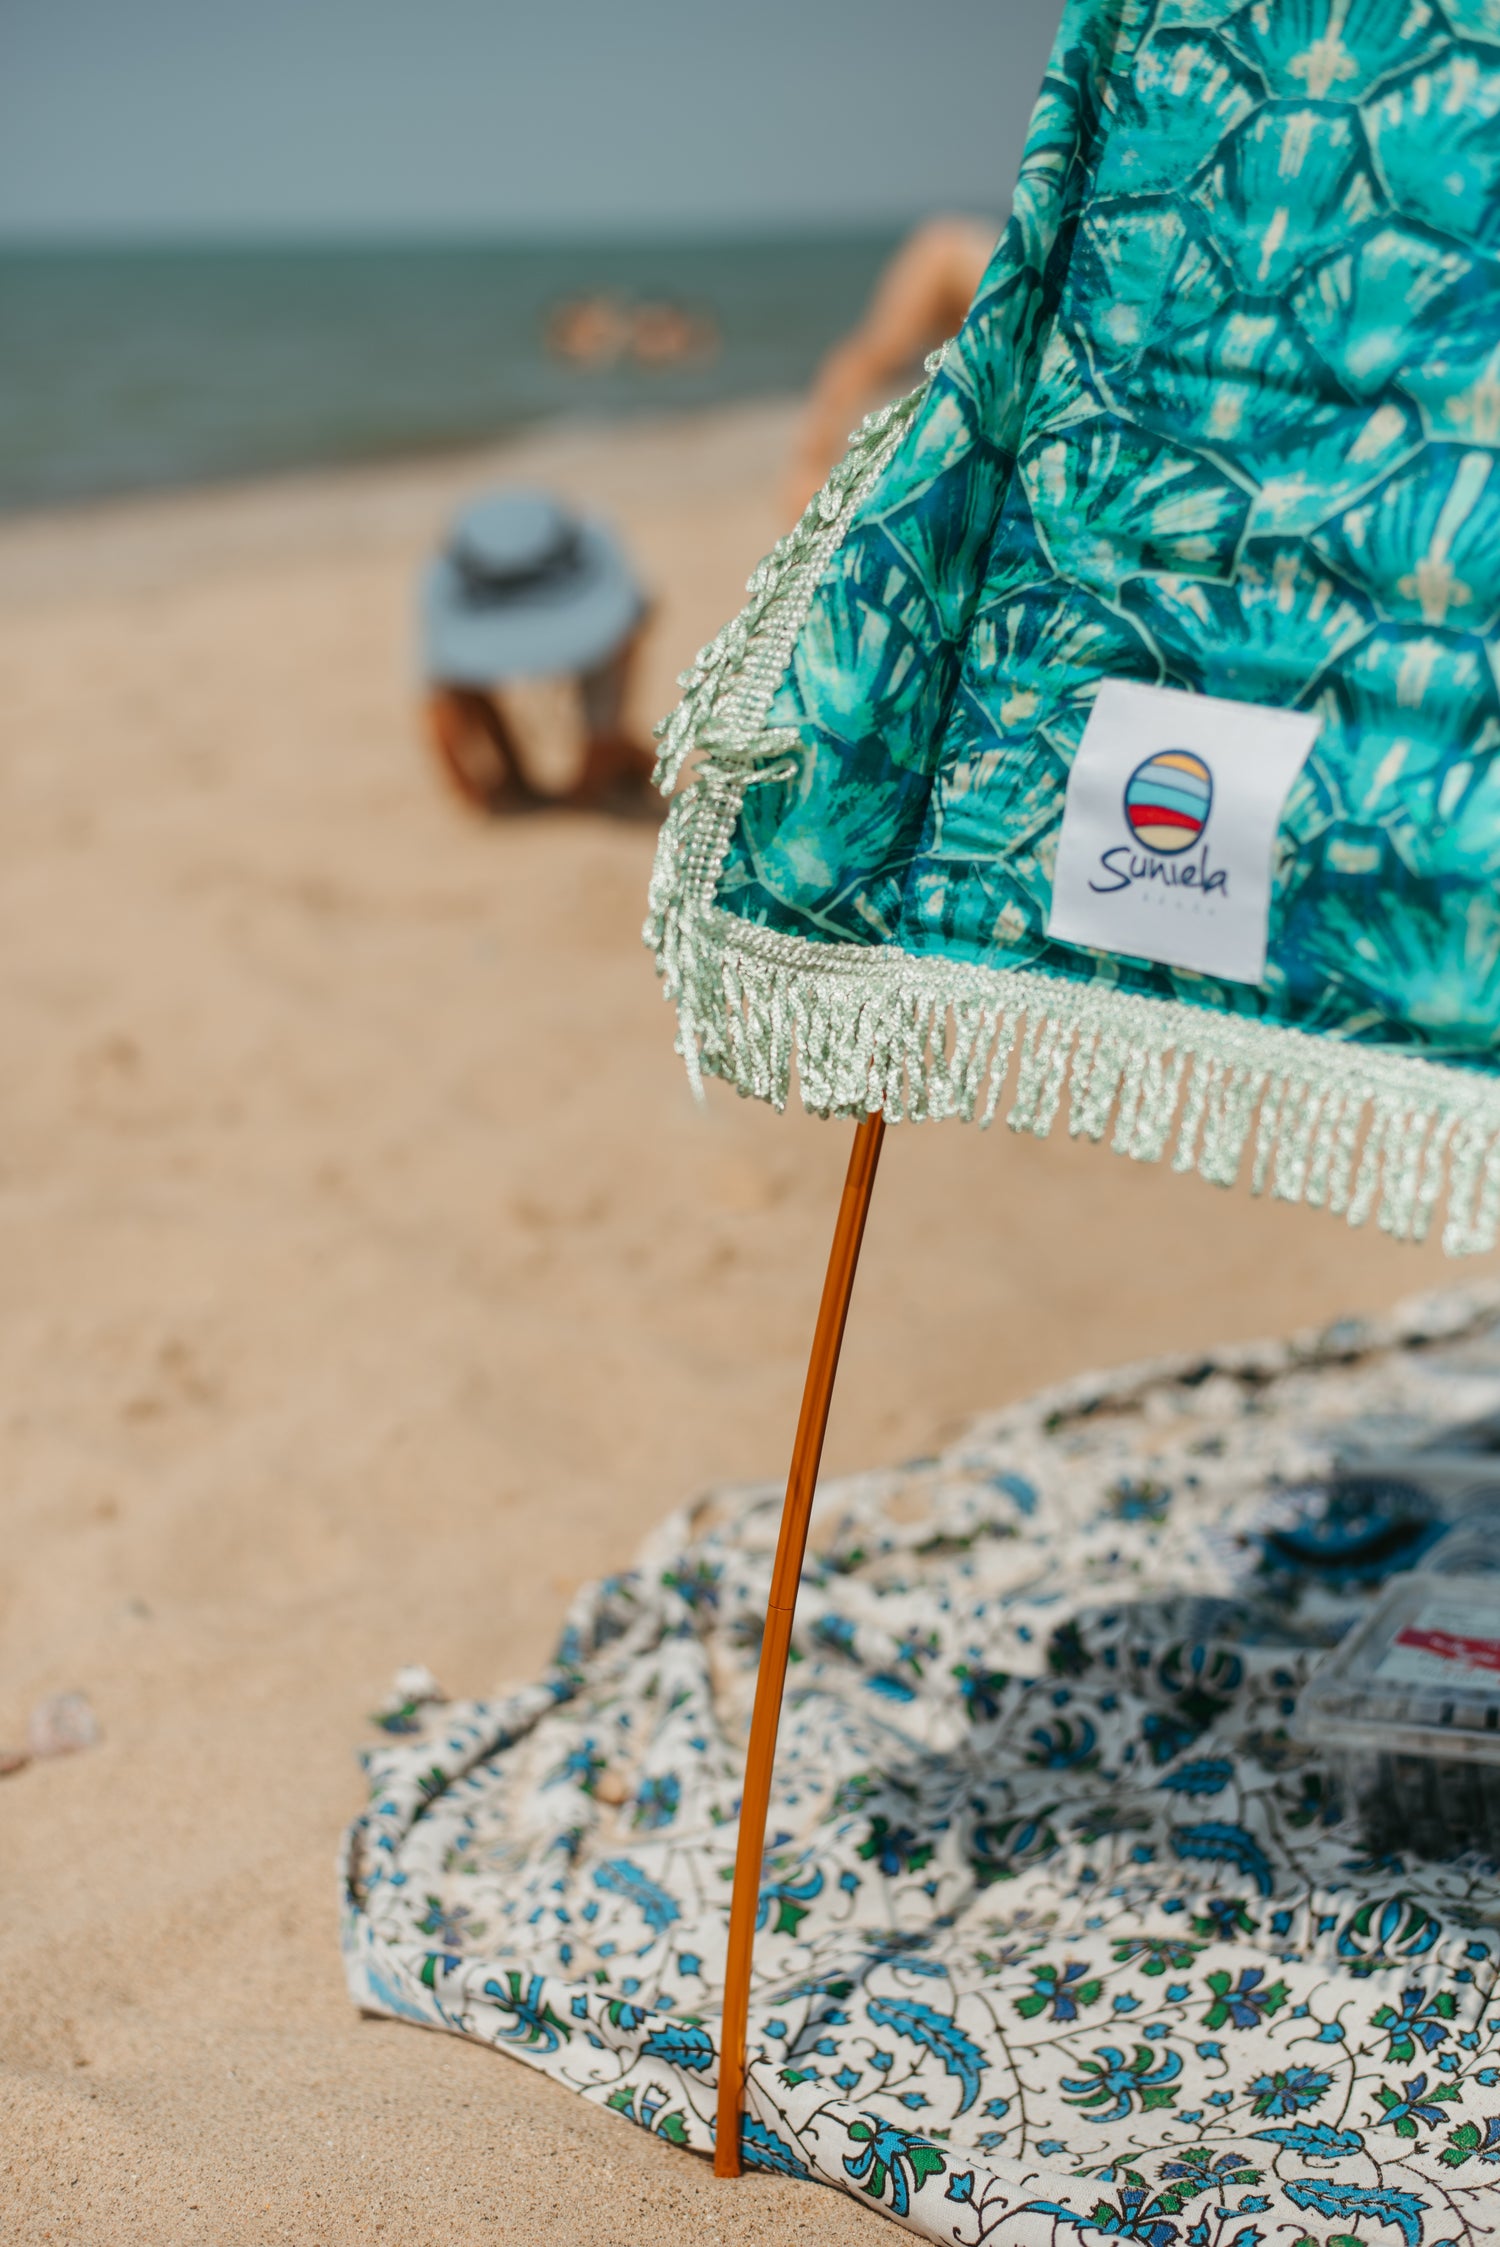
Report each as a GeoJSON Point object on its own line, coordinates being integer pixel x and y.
{"type": "Point", "coordinates": [122, 370]}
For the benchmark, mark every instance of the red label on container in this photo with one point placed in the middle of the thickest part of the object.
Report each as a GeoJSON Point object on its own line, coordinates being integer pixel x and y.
{"type": "Point", "coordinates": [1449, 1646]}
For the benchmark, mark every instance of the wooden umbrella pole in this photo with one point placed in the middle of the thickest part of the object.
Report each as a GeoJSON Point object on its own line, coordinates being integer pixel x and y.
{"type": "Point", "coordinates": [796, 1512]}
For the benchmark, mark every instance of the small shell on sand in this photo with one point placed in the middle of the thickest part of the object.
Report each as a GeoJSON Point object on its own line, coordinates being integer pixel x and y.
{"type": "Point", "coordinates": [61, 1724]}
{"type": "Point", "coordinates": [610, 1787]}
{"type": "Point", "coordinates": [12, 1759]}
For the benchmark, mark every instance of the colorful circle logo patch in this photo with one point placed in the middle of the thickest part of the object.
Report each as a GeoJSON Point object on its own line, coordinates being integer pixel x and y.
{"type": "Point", "coordinates": [1167, 801]}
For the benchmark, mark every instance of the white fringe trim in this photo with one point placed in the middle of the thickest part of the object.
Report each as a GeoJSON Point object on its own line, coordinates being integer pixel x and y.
{"type": "Point", "coordinates": [1344, 1127]}
{"type": "Point", "coordinates": [727, 689]}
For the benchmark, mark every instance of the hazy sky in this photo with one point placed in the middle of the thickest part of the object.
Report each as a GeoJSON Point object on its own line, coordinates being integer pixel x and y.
{"type": "Point", "coordinates": [201, 116]}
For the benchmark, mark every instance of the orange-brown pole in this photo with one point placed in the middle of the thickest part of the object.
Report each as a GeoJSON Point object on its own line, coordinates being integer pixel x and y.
{"type": "Point", "coordinates": [796, 1512]}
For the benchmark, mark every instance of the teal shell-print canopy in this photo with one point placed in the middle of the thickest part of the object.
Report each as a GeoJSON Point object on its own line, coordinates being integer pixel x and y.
{"type": "Point", "coordinates": [1225, 420]}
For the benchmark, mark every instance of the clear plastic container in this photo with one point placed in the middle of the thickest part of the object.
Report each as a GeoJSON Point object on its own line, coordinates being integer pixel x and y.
{"type": "Point", "coordinates": [1407, 1707]}
{"type": "Point", "coordinates": [1458, 1467]}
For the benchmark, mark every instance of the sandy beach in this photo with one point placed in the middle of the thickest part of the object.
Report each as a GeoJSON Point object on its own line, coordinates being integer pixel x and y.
{"type": "Point", "coordinates": [370, 1281]}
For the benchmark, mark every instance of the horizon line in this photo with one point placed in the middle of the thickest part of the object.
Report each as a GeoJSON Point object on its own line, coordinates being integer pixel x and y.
{"type": "Point", "coordinates": [777, 230]}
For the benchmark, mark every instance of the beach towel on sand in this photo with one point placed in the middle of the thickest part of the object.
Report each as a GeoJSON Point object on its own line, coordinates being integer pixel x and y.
{"type": "Point", "coordinates": [1224, 422]}
{"type": "Point", "coordinates": [1062, 1930]}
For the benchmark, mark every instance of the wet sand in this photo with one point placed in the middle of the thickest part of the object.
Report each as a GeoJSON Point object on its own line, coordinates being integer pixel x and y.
{"type": "Point", "coordinates": [369, 1281]}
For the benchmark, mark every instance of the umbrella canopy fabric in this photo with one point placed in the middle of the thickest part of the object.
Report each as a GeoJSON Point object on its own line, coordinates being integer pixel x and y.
{"type": "Point", "coordinates": [1223, 426]}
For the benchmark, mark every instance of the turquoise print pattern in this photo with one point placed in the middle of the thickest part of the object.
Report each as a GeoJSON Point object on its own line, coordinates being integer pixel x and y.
{"type": "Point", "coordinates": [1062, 1927]}
{"type": "Point", "coordinates": [1225, 417]}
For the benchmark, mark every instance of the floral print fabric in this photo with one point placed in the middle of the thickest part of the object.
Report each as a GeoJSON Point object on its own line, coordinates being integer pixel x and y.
{"type": "Point", "coordinates": [1062, 1928]}
{"type": "Point", "coordinates": [1225, 417]}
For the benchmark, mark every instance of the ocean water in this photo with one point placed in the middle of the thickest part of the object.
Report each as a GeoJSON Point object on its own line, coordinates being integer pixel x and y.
{"type": "Point", "coordinates": [126, 370]}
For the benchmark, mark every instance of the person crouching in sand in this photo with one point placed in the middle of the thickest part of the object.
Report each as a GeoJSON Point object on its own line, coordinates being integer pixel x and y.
{"type": "Point", "coordinates": [525, 591]}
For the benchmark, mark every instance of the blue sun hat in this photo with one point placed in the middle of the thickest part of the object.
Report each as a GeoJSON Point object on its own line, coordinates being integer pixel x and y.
{"type": "Point", "coordinates": [523, 589]}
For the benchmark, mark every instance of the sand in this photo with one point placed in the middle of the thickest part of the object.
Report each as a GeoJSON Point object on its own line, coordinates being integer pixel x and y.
{"type": "Point", "coordinates": [370, 1281]}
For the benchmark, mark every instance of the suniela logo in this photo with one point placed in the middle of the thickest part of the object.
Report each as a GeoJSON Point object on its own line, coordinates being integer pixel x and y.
{"type": "Point", "coordinates": [1167, 804]}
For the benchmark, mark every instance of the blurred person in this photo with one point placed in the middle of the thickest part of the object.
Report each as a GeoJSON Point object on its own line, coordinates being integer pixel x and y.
{"type": "Point", "coordinates": [524, 591]}
{"type": "Point", "coordinates": [663, 334]}
{"type": "Point", "coordinates": [588, 331]}
{"type": "Point", "coordinates": [919, 302]}
{"type": "Point", "coordinates": [599, 331]}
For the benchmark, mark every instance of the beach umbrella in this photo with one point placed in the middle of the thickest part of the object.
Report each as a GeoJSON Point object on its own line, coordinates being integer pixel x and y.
{"type": "Point", "coordinates": [1119, 725]}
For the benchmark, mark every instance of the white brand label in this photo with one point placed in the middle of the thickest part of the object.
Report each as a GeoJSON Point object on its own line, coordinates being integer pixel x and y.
{"type": "Point", "coordinates": [1170, 825]}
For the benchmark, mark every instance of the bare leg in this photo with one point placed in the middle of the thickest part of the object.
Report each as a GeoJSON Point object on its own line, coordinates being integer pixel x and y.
{"type": "Point", "coordinates": [807, 1452]}
{"type": "Point", "coordinates": [477, 751]}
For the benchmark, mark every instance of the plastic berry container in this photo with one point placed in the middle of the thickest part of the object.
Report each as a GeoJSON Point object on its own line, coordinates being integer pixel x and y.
{"type": "Point", "coordinates": [1406, 1709]}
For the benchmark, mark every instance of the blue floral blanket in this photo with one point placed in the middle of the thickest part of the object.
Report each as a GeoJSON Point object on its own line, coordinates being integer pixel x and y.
{"type": "Point", "coordinates": [1062, 1930]}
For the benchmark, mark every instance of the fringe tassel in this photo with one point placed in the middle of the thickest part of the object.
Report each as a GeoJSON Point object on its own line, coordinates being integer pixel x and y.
{"type": "Point", "coordinates": [1355, 1130]}
{"type": "Point", "coordinates": [727, 688]}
